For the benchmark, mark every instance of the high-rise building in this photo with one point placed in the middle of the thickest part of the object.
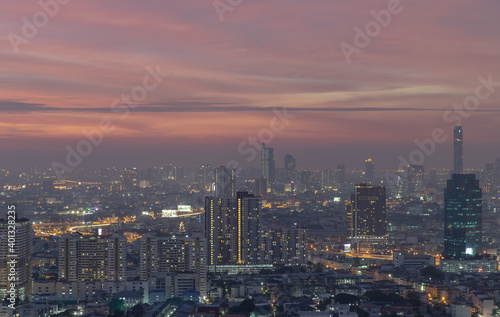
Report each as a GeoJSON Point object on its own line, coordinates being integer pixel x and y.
{"type": "Point", "coordinates": [415, 181]}
{"type": "Point", "coordinates": [340, 176]}
{"type": "Point", "coordinates": [206, 177]}
{"type": "Point", "coordinates": [369, 171]}
{"type": "Point", "coordinates": [285, 245]}
{"type": "Point", "coordinates": [366, 213]}
{"type": "Point", "coordinates": [290, 168]}
{"type": "Point", "coordinates": [16, 249]}
{"type": "Point", "coordinates": [174, 254]}
{"type": "Point", "coordinates": [92, 258]}
{"type": "Point", "coordinates": [232, 226]}
{"type": "Point", "coordinates": [326, 179]}
{"type": "Point", "coordinates": [268, 166]}
{"type": "Point", "coordinates": [225, 182]}
{"type": "Point", "coordinates": [488, 178]}
{"type": "Point", "coordinates": [462, 217]}
{"type": "Point", "coordinates": [458, 150]}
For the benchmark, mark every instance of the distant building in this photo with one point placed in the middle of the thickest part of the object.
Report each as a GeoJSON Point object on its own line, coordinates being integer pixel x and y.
{"type": "Point", "coordinates": [326, 179]}
{"type": "Point", "coordinates": [225, 182]}
{"type": "Point", "coordinates": [469, 266]}
{"type": "Point", "coordinates": [174, 254]}
{"type": "Point", "coordinates": [415, 181]}
{"type": "Point", "coordinates": [369, 171]}
{"type": "Point", "coordinates": [285, 246]}
{"type": "Point", "coordinates": [19, 249]}
{"type": "Point", "coordinates": [458, 150]}
{"type": "Point", "coordinates": [268, 169]}
{"type": "Point", "coordinates": [462, 217]}
{"type": "Point", "coordinates": [290, 169]}
{"type": "Point", "coordinates": [233, 229]}
{"type": "Point", "coordinates": [91, 258]}
{"type": "Point", "coordinates": [366, 213]}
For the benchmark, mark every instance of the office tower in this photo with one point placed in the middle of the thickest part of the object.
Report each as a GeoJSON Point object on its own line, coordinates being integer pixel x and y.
{"type": "Point", "coordinates": [326, 179]}
{"type": "Point", "coordinates": [496, 181]}
{"type": "Point", "coordinates": [92, 258]}
{"type": "Point", "coordinates": [268, 166]}
{"type": "Point", "coordinates": [340, 176]}
{"type": "Point", "coordinates": [415, 180]}
{"type": "Point", "coordinates": [225, 182]}
{"type": "Point", "coordinates": [179, 174]}
{"type": "Point", "coordinates": [458, 150]}
{"type": "Point", "coordinates": [488, 178]}
{"type": "Point", "coordinates": [462, 217]}
{"type": "Point", "coordinates": [369, 171]}
{"type": "Point", "coordinates": [232, 226]}
{"type": "Point", "coordinates": [289, 168]}
{"type": "Point", "coordinates": [18, 248]}
{"type": "Point", "coordinates": [174, 254]}
{"type": "Point", "coordinates": [366, 213]}
{"type": "Point", "coordinates": [205, 177]}
{"type": "Point", "coordinates": [307, 178]}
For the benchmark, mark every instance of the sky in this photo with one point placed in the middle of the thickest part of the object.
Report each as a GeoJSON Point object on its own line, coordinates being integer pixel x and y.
{"type": "Point", "coordinates": [222, 66]}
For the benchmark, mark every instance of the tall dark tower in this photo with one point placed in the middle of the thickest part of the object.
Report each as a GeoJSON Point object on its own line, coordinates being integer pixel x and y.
{"type": "Point", "coordinates": [289, 168]}
{"type": "Point", "coordinates": [369, 171]}
{"type": "Point", "coordinates": [225, 182]}
{"type": "Point", "coordinates": [462, 217]}
{"type": "Point", "coordinates": [268, 166]}
{"type": "Point", "coordinates": [458, 150]}
{"type": "Point", "coordinates": [366, 213]}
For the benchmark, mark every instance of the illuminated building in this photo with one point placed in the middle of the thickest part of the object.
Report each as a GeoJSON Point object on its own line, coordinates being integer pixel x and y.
{"type": "Point", "coordinates": [285, 246]}
{"type": "Point", "coordinates": [462, 217]}
{"type": "Point", "coordinates": [369, 171]}
{"type": "Point", "coordinates": [366, 213]}
{"type": "Point", "coordinates": [415, 181]}
{"type": "Point", "coordinates": [21, 251]}
{"type": "Point", "coordinates": [225, 182]}
{"type": "Point", "coordinates": [90, 258]}
{"type": "Point", "coordinates": [458, 150]}
{"type": "Point", "coordinates": [232, 229]}
{"type": "Point", "coordinates": [289, 169]}
{"type": "Point", "coordinates": [268, 166]}
{"type": "Point", "coordinates": [174, 254]}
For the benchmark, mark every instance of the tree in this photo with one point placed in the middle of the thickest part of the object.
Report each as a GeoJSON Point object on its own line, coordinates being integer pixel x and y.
{"type": "Point", "coordinates": [432, 272]}
{"type": "Point", "coordinates": [344, 298]}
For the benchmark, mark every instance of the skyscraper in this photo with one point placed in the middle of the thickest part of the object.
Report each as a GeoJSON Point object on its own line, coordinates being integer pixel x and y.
{"type": "Point", "coordinates": [225, 182]}
{"type": "Point", "coordinates": [268, 166]}
{"type": "Point", "coordinates": [458, 150]}
{"type": "Point", "coordinates": [340, 176]}
{"type": "Point", "coordinates": [369, 171]}
{"type": "Point", "coordinates": [415, 180]}
{"type": "Point", "coordinates": [232, 227]}
{"type": "Point", "coordinates": [462, 217]}
{"type": "Point", "coordinates": [366, 213]}
{"type": "Point", "coordinates": [326, 179]}
{"type": "Point", "coordinates": [290, 168]}
{"type": "Point", "coordinates": [20, 251]}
